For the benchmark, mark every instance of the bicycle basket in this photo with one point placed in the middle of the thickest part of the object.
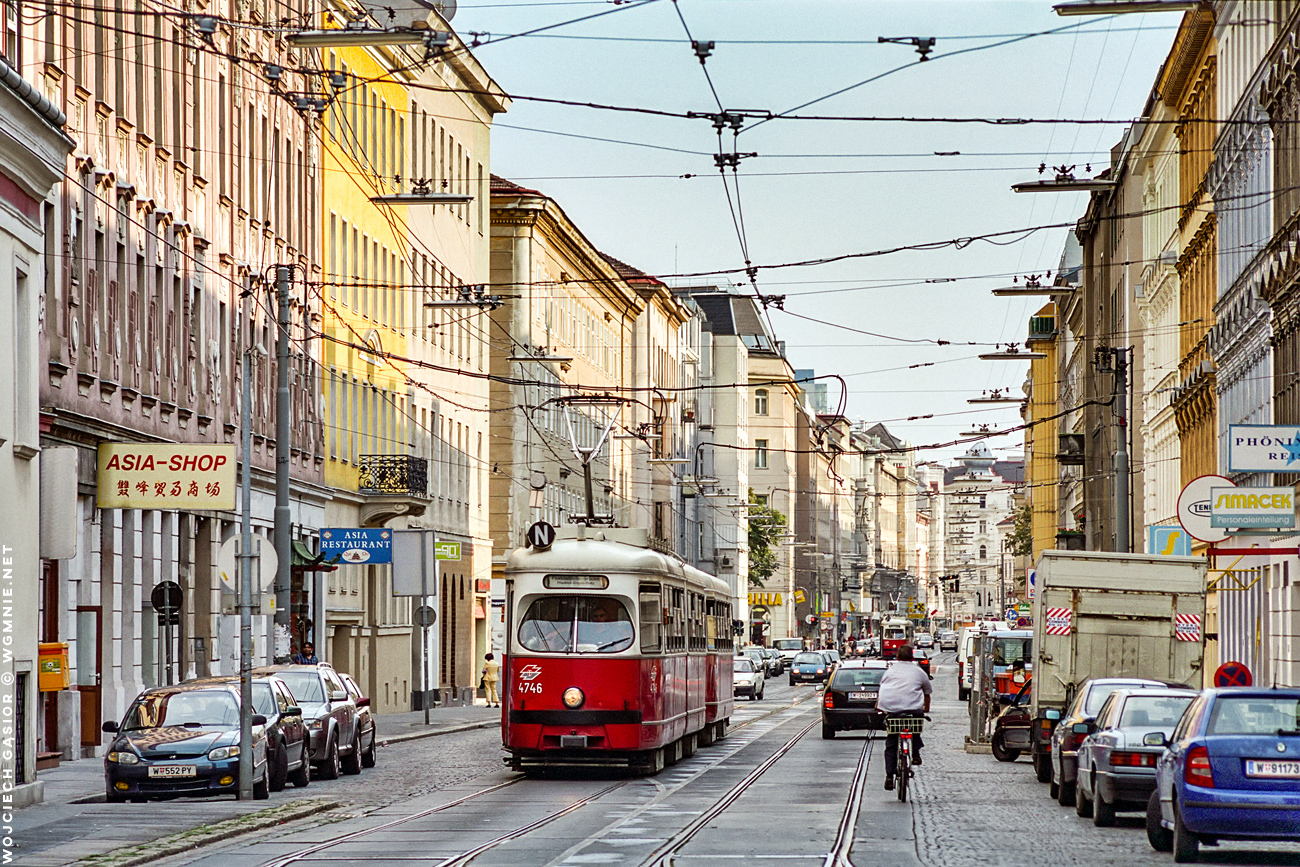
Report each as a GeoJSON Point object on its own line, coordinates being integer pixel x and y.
{"type": "Point", "coordinates": [897, 724]}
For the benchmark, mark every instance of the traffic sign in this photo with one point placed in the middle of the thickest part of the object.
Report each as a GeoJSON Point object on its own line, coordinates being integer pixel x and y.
{"type": "Point", "coordinates": [168, 599]}
{"type": "Point", "coordinates": [541, 535]}
{"type": "Point", "coordinates": [1010, 615]}
{"type": "Point", "coordinates": [425, 615]}
{"type": "Point", "coordinates": [1233, 674]}
{"type": "Point", "coordinates": [1194, 505]}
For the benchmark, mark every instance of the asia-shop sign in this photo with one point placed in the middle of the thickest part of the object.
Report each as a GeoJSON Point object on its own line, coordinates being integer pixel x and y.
{"type": "Point", "coordinates": [1271, 508]}
{"type": "Point", "coordinates": [168, 476]}
{"type": "Point", "coordinates": [357, 545]}
{"type": "Point", "coordinates": [1263, 448]}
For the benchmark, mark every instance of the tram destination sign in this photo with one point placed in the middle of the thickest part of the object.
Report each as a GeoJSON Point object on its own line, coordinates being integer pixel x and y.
{"type": "Point", "coordinates": [1267, 508]}
{"type": "Point", "coordinates": [1263, 448]}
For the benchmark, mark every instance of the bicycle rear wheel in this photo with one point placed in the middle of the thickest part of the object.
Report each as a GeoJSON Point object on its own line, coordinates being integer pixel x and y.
{"type": "Point", "coordinates": [904, 767]}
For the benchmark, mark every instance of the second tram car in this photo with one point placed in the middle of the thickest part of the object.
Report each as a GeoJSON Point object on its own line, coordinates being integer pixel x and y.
{"type": "Point", "coordinates": [616, 654]}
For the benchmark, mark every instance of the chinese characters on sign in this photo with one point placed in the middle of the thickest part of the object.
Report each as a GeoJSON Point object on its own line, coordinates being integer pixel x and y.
{"type": "Point", "coordinates": [140, 476]}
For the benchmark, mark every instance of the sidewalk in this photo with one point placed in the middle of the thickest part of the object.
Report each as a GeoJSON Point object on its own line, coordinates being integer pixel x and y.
{"type": "Point", "coordinates": [82, 781]}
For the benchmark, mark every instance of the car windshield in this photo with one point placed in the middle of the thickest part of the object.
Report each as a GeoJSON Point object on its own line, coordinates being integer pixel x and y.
{"type": "Point", "coordinates": [742, 664]}
{"type": "Point", "coordinates": [1254, 715]}
{"type": "Point", "coordinates": [204, 708]}
{"type": "Point", "coordinates": [1099, 692]}
{"type": "Point", "coordinates": [810, 659]}
{"type": "Point", "coordinates": [1153, 711]}
{"type": "Point", "coordinates": [856, 678]}
{"type": "Point", "coordinates": [789, 644]}
{"type": "Point", "coordinates": [305, 686]}
{"type": "Point", "coordinates": [263, 701]}
{"type": "Point", "coordinates": [1009, 650]}
{"type": "Point", "coordinates": [582, 624]}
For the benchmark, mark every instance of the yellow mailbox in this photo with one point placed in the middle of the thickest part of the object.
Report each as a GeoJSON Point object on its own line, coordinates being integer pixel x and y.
{"type": "Point", "coordinates": [53, 658]}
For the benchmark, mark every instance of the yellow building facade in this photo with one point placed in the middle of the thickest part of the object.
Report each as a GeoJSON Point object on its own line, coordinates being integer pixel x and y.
{"type": "Point", "coordinates": [1042, 472]}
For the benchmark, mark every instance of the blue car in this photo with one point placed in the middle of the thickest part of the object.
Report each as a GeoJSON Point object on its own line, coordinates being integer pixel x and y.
{"type": "Point", "coordinates": [1230, 771]}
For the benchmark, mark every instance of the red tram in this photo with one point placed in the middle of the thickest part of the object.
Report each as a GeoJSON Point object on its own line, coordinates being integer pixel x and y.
{"type": "Point", "coordinates": [616, 654]}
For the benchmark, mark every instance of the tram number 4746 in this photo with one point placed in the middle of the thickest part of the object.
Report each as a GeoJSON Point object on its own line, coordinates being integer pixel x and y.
{"type": "Point", "coordinates": [530, 687]}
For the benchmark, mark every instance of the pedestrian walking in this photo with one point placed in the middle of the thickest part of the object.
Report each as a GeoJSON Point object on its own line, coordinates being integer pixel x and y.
{"type": "Point", "coordinates": [491, 674]}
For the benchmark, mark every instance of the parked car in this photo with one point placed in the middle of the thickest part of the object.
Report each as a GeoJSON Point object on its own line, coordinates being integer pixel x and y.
{"type": "Point", "coordinates": [789, 648]}
{"type": "Point", "coordinates": [1231, 772]}
{"type": "Point", "coordinates": [1011, 728]}
{"type": "Point", "coordinates": [832, 657]}
{"type": "Point", "coordinates": [182, 740]}
{"type": "Point", "coordinates": [947, 640]}
{"type": "Point", "coordinates": [1065, 740]}
{"type": "Point", "coordinates": [1117, 768]}
{"type": "Point", "coordinates": [850, 699]}
{"type": "Point", "coordinates": [809, 667]}
{"type": "Point", "coordinates": [776, 661]}
{"type": "Point", "coordinates": [330, 714]}
{"type": "Point", "coordinates": [365, 720]}
{"type": "Point", "coordinates": [288, 748]}
{"type": "Point", "coordinates": [747, 678]}
{"type": "Point", "coordinates": [924, 639]}
{"type": "Point", "coordinates": [923, 660]}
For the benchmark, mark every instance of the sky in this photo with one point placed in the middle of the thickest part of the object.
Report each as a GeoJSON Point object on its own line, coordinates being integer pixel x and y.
{"type": "Point", "coordinates": [644, 188]}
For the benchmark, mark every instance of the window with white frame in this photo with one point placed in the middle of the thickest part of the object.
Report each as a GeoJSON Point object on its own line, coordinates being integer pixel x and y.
{"type": "Point", "coordinates": [760, 454]}
{"type": "Point", "coordinates": [760, 401]}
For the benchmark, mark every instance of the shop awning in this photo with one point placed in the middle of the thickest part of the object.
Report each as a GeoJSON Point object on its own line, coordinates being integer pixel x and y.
{"type": "Point", "coordinates": [306, 561]}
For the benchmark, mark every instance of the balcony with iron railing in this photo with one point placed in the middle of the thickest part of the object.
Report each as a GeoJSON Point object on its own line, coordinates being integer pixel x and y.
{"type": "Point", "coordinates": [393, 475]}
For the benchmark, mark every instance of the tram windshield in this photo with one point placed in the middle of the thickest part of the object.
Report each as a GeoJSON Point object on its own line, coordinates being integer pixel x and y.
{"type": "Point", "coordinates": [576, 624]}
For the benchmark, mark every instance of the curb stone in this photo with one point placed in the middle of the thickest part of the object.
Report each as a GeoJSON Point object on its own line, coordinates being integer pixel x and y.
{"type": "Point", "coordinates": [449, 730]}
{"type": "Point", "coordinates": [185, 841]}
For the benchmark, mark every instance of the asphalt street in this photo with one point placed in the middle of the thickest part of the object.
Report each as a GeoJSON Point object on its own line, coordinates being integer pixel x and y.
{"type": "Point", "coordinates": [772, 792]}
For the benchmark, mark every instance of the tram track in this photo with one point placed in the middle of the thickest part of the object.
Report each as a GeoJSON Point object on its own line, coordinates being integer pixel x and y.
{"type": "Point", "coordinates": [468, 855]}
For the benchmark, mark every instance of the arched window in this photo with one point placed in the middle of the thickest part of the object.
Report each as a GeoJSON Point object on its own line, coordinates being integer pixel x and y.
{"type": "Point", "coordinates": [984, 552]}
{"type": "Point", "coordinates": [760, 401]}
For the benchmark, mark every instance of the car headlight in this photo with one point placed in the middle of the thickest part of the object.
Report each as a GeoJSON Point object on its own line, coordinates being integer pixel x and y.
{"type": "Point", "coordinates": [314, 724]}
{"type": "Point", "coordinates": [123, 757]}
{"type": "Point", "coordinates": [223, 753]}
{"type": "Point", "coordinates": [573, 698]}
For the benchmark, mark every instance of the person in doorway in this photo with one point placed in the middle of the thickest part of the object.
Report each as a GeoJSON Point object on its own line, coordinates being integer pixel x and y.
{"type": "Point", "coordinates": [306, 656]}
{"type": "Point", "coordinates": [491, 674]}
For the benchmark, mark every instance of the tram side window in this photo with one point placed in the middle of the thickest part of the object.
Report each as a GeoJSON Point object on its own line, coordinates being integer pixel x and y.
{"type": "Point", "coordinates": [581, 624]}
{"type": "Point", "coordinates": [676, 623]}
{"type": "Point", "coordinates": [726, 637]}
{"type": "Point", "coordinates": [699, 638]}
{"type": "Point", "coordinates": [711, 622]}
{"type": "Point", "coordinates": [652, 618]}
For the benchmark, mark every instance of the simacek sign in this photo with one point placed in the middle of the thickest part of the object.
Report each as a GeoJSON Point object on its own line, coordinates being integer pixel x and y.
{"type": "Point", "coordinates": [1272, 508]}
{"type": "Point", "coordinates": [152, 476]}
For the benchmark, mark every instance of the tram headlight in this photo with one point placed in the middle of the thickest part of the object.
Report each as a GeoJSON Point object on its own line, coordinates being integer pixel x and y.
{"type": "Point", "coordinates": [573, 698]}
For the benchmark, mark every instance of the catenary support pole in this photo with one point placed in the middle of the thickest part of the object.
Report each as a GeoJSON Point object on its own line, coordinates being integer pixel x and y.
{"type": "Point", "coordinates": [282, 448]}
{"type": "Point", "coordinates": [1121, 506]}
{"type": "Point", "coordinates": [246, 566]}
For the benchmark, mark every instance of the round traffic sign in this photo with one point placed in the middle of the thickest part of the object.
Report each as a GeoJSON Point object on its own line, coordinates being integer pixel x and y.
{"type": "Point", "coordinates": [1194, 508]}
{"type": "Point", "coordinates": [425, 615]}
{"type": "Point", "coordinates": [541, 535]}
{"type": "Point", "coordinates": [167, 598]}
{"type": "Point", "coordinates": [1233, 674]}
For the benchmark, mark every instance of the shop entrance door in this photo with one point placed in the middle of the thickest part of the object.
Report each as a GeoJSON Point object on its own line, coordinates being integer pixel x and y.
{"type": "Point", "coordinates": [90, 624]}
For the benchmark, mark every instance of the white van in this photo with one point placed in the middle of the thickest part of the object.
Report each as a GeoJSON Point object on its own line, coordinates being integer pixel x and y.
{"type": "Point", "coordinates": [789, 648]}
{"type": "Point", "coordinates": [965, 647]}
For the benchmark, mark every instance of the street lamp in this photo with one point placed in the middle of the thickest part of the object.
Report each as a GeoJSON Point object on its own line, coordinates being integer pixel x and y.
{"type": "Point", "coordinates": [1116, 7]}
{"type": "Point", "coordinates": [995, 396]}
{"type": "Point", "coordinates": [360, 36]}
{"type": "Point", "coordinates": [1012, 352]}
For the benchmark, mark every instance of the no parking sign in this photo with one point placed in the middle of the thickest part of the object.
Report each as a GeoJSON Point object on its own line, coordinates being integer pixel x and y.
{"type": "Point", "coordinates": [1233, 674]}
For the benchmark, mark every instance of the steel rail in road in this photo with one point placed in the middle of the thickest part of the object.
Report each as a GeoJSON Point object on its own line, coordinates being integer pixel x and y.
{"type": "Point", "coordinates": [470, 854]}
{"type": "Point", "coordinates": [663, 854]}
{"type": "Point", "coordinates": [839, 854]}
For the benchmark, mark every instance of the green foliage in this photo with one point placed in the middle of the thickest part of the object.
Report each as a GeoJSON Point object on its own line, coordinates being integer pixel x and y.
{"type": "Point", "coordinates": [766, 527]}
{"type": "Point", "coordinates": [1022, 537]}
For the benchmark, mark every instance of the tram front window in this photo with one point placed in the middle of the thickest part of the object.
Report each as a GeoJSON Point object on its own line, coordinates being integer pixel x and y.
{"type": "Point", "coordinates": [581, 624]}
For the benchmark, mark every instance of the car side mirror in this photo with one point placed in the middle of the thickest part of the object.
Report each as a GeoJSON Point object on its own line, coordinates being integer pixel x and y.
{"type": "Point", "coordinates": [259, 719]}
{"type": "Point", "coordinates": [363, 702]}
{"type": "Point", "coordinates": [1018, 677]}
{"type": "Point", "coordinates": [292, 710]}
{"type": "Point", "coordinates": [109, 726]}
{"type": "Point", "coordinates": [338, 695]}
{"type": "Point", "coordinates": [1052, 714]}
{"type": "Point", "coordinates": [1083, 728]}
{"type": "Point", "coordinates": [1155, 739]}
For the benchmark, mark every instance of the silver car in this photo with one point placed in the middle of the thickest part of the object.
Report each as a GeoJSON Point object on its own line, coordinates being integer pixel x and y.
{"type": "Point", "coordinates": [1116, 769]}
{"type": "Point", "coordinates": [330, 714]}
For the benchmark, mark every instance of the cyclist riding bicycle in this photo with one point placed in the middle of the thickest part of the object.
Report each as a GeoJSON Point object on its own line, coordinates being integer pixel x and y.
{"type": "Point", "coordinates": [904, 691]}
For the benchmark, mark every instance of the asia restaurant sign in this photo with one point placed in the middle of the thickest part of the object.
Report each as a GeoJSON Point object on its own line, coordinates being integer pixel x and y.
{"type": "Point", "coordinates": [166, 476]}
